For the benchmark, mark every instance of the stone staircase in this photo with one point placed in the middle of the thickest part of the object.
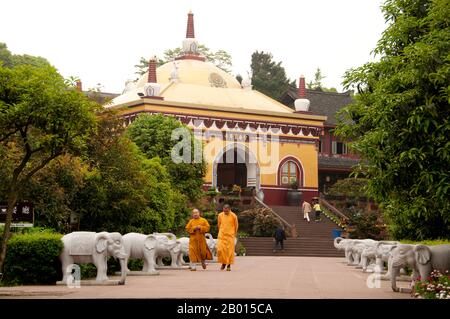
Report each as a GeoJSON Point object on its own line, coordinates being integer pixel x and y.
{"type": "Point", "coordinates": [314, 238]}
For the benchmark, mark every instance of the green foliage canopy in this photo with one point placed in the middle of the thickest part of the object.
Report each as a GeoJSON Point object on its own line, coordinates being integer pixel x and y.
{"type": "Point", "coordinates": [268, 76]}
{"type": "Point", "coordinates": [219, 58]}
{"type": "Point", "coordinates": [399, 122]}
{"type": "Point", "coordinates": [152, 134]}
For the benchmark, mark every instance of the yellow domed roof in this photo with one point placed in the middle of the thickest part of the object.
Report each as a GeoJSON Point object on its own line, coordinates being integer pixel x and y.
{"type": "Point", "coordinates": [193, 72]}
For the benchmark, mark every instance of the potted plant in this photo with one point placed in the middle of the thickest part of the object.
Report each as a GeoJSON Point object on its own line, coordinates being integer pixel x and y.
{"type": "Point", "coordinates": [237, 190]}
{"type": "Point", "coordinates": [294, 194]}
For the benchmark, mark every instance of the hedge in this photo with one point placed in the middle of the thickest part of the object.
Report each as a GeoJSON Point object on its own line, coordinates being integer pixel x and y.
{"type": "Point", "coordinates": [33, 259]}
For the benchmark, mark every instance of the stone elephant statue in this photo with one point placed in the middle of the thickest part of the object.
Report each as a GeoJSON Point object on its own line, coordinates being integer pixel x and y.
{"type": "Point", "coordinates": [184, 242]}
{"type": "Point", "coordinates": [90, 247]}
{"type": "Point", "coordinates": [354, 249]}
{"type": "Point", "coordinates": [422, 259]}
{"type": "Point", "coordinates": [140, 246]}
{"type": "Point", "coordinates": [167, 245]}
{"type": "Point", "coordinates": [341, 244]}
{"type": "Point", "coordinates": [382, 254]}
{"type": "Point", "coordinates": [369, 255]}
{"type": "Point", "coordinates": [212, 244]}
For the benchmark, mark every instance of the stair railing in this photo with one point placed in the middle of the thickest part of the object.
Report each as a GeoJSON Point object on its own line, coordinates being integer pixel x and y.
{"type": "Point", "coordinates": [333, 209]}
{"type": "Point", "coordinates": [336, 216]}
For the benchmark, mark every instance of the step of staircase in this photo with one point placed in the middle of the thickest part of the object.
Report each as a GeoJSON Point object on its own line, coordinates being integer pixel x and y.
{"type": "Point", "coordinates": [315, 238]}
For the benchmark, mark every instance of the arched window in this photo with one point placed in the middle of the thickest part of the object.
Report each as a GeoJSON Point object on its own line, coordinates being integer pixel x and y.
{"type": "Point", "coordinates": [289, 173]}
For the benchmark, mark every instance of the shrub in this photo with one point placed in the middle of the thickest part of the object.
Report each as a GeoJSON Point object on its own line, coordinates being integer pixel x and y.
{"type": "Point", "coordinates": [352, 187]}
{"type": "Point", "coordinates": [114, 265]}
{"type": "Point", "coordinates": [427, 242]}
{"type": "Point", "coordinates": [262, 221]}
{"type": "Point", "coordinates": [33, 259]}
{"type": "Point", "coordinates": [436, 287]}
{"type": "Point", "coordinates": [88, 271]}
{"type": "Point", "coordinates": [365, 224]}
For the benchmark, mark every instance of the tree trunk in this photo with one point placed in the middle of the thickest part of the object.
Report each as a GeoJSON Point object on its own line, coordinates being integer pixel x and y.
{"type": "Point", "coordinates": [12, 199]}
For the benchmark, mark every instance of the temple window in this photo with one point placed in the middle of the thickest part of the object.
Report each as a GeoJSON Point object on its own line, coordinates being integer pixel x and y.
{"type": "Point", "coordinates": [289, 173]}
{"type": "Point", "coordinates": [338, 147]}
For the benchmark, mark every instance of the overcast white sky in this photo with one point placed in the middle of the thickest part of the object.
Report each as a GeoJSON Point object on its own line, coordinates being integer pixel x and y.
{"type": "Point", "coordinates": [100, 41]}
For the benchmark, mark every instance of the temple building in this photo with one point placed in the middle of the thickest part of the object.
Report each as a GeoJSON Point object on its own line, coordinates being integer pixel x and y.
{"type": "Point", "coordinates": [336, 161]}
{"type": "Point", "coordinates": [249, 139]}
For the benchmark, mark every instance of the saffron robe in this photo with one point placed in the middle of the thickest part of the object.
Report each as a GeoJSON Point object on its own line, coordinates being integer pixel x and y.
{"type": "Point", "coordinates": [228, 227]}
{"type": "Point", "coordinates": [198, 250]}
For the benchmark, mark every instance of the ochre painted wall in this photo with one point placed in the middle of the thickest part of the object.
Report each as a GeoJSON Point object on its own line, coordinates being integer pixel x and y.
{"type": "Point", "coordinates": [269, 158]}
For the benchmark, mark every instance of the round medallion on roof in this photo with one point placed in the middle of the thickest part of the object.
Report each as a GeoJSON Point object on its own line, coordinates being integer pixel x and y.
{"type": "Point", "coordinates": [217, 81]}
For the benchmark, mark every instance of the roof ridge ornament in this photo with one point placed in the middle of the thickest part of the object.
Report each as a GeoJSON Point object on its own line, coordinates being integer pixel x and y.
{"type": "Point", "coordinates": [190, 34]}
{"type": "Point", "coordinates": [152, 87]}
{"type": "Point", "coordinates": [301, 103]}
{"type": "Point", "coordinates": [190, 45]}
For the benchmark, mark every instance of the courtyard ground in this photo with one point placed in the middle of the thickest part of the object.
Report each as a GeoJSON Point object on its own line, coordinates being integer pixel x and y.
{"type": "Point", "coordinates": [251, 277]}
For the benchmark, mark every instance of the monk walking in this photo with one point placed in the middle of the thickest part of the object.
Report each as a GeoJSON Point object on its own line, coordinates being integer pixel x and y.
{"type": "Point", "coordinates": [198, 250]}
{"type": "Point", "coordinates": [227, 224]}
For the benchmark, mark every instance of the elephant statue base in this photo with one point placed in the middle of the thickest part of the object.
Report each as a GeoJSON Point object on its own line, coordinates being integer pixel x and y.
{"type": "Point", "coordinates": [92, 282]}
{"type": "Point", "coordinates": [140, 273]}
{"type": "Point", "coordinates": [171, 267]}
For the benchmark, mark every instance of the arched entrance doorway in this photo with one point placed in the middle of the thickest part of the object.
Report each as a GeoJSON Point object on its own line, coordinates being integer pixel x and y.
{"type": "Point", "coordinates": [232, 171]}
{"type": "Point", "coordinates": [235, 165]}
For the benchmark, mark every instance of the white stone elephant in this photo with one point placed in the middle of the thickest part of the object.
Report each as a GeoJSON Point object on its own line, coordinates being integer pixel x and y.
{"type": "Point", "coordinates": [140, 246]}
{"type": "Point", "coordinates": [382, 254]}
{"type": "Point", "coordinates": [369, 255]}
{"type": "Point", "coordinates": [167, 245]}
{"type": "Point", "coordinates": [184, 241]}
{"type": "Point", "coordinates": [212, 244]}
{"type": "Point", "coordinates": [354, 249]}
{"type": "Point", "coordinates": [421, 259]}
{"type": "Point", "coordinates": [341, 244]}
{"type": "Point", "coordinates": [91, 247]}
{"type": "Point", "coordinates": [184, 247]}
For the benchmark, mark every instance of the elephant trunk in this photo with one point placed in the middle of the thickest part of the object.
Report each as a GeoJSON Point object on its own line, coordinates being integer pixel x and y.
{"type": "Point", "coordinates": [123, 271]}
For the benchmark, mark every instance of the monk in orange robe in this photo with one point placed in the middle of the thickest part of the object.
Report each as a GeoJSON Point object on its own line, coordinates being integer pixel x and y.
{"type": "Point", "coordinates": [227, 223]}
{"type": "Point", "coordinates": [198, 250]}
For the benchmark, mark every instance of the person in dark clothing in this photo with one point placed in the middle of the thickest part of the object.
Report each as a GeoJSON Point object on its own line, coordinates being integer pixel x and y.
{"type": "Point", "coordinates": [279, 237]}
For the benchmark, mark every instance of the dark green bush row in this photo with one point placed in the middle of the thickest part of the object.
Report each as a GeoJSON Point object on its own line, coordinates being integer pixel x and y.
{"type": "Point", "coordinates": [33, 258]}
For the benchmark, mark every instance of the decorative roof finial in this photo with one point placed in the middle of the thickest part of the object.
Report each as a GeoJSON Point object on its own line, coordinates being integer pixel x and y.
{"type": "Point", "coordinates": [301, 87]}
{"type": "Point", "coordinates": [152, 70]}
{"type": "Point", "coordinates": [301, 103]}
{"type": "Point", "coordinates": [190, 44]}
{"type": "Point", "coordinates": [152, 88]}
{"type": "Point", "coordinates": [190, 26]}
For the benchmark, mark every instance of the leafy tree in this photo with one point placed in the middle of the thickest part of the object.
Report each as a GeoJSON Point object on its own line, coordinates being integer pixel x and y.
{"type": "Point", "coordinates": [53, 191]}
{"type": "Point", "coordinates": [40, 119]}
{"type": "Point", "coordinates": [268, 76]}
{"type": "Point", "coordinates": [123, 190]}
{"type": "Point", "coordinates": [399, 121]}
{"type": "Point", "coordinates": [9, 60]}
{"type": "Point", "coordinates": [152, 134]}
{"type": "Point", "coordinates": [219, 58]}
{"type": "Point", "coordinates": [317, 84]}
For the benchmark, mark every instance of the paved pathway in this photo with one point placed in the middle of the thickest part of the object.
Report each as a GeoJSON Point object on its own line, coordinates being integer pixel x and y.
{"type": "Point", "coordinates": [251, 277]}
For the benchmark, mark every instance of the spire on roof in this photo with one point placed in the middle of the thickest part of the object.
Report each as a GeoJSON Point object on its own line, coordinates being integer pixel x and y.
{"type": "Point", "coordinates": [190, 44]}
{"type": "Point", "coordinates": [301, 103]}
{"type": "Point", "coordinates": [152, 87]}
{"type": "Point", "coordinates": [152, 70]}
{"type": "Point", "coordinates": [190, 26]}
{"type": "Point", "coordinates": [301, 87]}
